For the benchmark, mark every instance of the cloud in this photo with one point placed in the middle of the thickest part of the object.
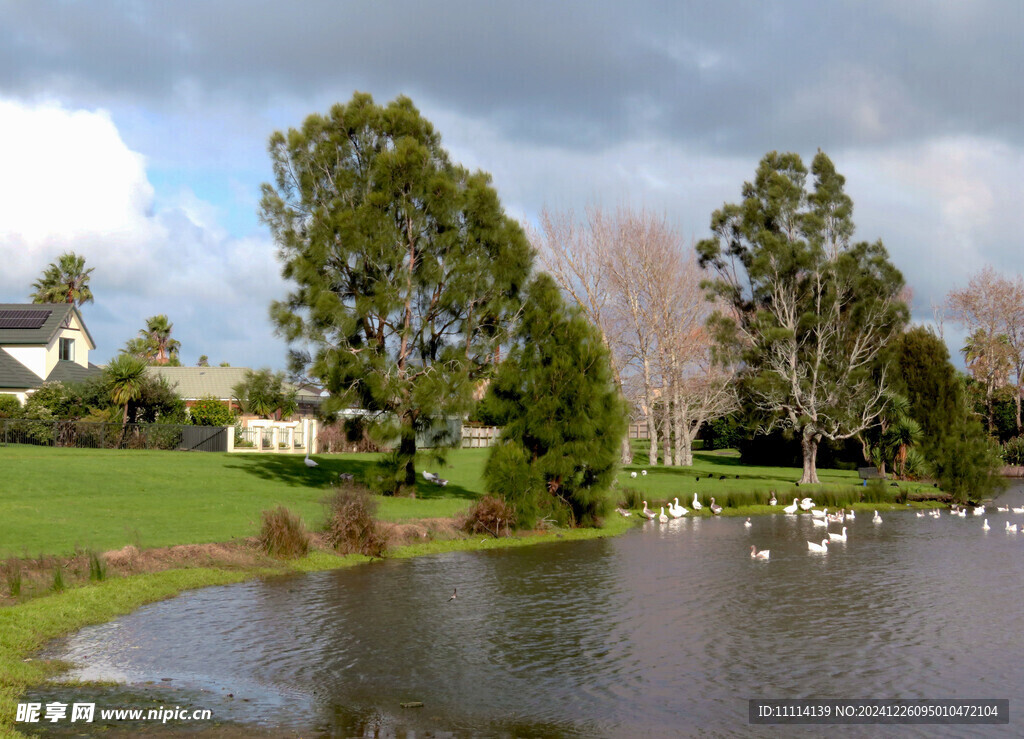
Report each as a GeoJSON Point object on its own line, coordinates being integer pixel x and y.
{"type": "Point", "coordinates": [70, 183]}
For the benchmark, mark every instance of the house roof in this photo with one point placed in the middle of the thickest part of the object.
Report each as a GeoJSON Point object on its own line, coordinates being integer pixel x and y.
{"type": "Point", "coordinates": [52, 315]}
{"type": "Point", "coordinates": [192, 383]}
{"type": "Point", "coordinates": [13, 374]}
{"type": "Point", "coordinates": [66, 371]}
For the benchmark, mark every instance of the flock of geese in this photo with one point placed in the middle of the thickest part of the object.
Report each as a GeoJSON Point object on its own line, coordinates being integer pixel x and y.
{"type": "Point", "coordinates": [820, 518]}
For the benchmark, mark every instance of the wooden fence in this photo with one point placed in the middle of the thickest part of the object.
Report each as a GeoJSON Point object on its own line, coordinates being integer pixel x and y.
{"type": "Point", "coordinates": [474, 437]}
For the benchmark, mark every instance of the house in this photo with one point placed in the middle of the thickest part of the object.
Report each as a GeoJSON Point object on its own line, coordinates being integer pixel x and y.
{"type": "Point", "coordinates": [193, 383]}
{"type": "Point", "coordinates": [45, 342]}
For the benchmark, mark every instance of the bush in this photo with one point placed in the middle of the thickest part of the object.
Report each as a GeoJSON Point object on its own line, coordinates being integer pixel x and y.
{"type": "Point", "coordinates": [967, 462]}
{"type": "Point", "coordinates": [489, 515]}
{"type": "Point", "coordinates": [9, 406]}
{"type": "Point", "coordinates": [283, 534]}
{"type": "Point", "coordinates": [351, 527]}
{"type": "Point", "coordinates": [59, 583]}
{"type": "Point", "coordinates": [12, 573]}
{"type": "Point", "coordinates": [97, 567]}
{"type": "Point", "coordinates": [723, 433]}
{"type": "Point", "coordinates": [1013, 450]}
{"type": "Point", "coordinates": [208, 411]}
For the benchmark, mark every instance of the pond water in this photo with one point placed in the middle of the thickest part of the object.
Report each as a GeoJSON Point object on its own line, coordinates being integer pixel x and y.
{"type": "Point", "coordinates": [667, 630]}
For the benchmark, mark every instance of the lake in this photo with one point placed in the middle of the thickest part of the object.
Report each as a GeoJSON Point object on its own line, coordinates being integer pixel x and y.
{"type": "Point", "coordinates": [664, 631]}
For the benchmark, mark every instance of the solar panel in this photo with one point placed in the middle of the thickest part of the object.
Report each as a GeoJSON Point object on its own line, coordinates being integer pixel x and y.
{"type": "Point", "coordinates": [31, 319]}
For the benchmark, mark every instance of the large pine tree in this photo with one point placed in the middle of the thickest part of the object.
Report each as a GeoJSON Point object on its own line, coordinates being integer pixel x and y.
{"type": "Point", "coordinates": [405, 268]}
{"type": "Point", "coordinates": [563, 417]}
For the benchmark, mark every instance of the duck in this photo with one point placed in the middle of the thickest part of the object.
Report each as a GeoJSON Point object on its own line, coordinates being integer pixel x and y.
{"type": "Point", "coordinates": [747, 523]}
{"type": "Point", "coordinates": [696, 503]}
{"type": "Point", "coordinates": [837, 537]}
{"type": "Point", "coordinates": [716, 509]}
{"type": "Point", "coordinates": [823, 547]}
{"type": "Point", "coordinates": [791, 508]}
{"type": "Point", "coordinates": [1012, 528]}
{"type": "Point", "coordinates": [772, 500]}
{"type": "Point", "coordinates": [662, 518]}
{"type": "Point", "coordinates": [763, 554]}
{"type": "Point", "coordinates": [877, 518]}
{"type": "Point", "coordinates": [985, 526]}
{"type": "Point", "coordinates": [648, 514]}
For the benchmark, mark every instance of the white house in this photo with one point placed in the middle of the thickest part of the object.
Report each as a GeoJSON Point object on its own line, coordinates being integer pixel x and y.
{"type": "Point", "coordinates": [39, 343]}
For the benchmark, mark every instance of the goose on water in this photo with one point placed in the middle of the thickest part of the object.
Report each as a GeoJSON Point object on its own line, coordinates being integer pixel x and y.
{"type": "Point", "coordinates": [837, 537]}
{"type": "Point", "coordinates": [851, 515]}
{"type": "Point", "coordinates": [807, 504]}
{"type": "Point", "coordinates": [1011, 528]}
{"type": "Point", "coordinates": [1018, 510]}
{"type": "Point", "coordinates": [662, 518]}
{"type": "Point", "coordinates": [920, 514]}
{"type": "Point", "coordinates": [791, 508]}
{"type": "Point", "coordinates": [820, 514]}
{"type": "Point", "coordinates": [696, 503]}
{"type": "Point", "coordinates": [819, 522]}
{"type": "Point", "coordinates": [877, 518]}
{"type": "Point", "coordinates": [1003, 509]}
{"type": "Point", "coordinates": [716, 509]}
{"type": "Point", "coordinates": [985, 526]}
{"type": "Point", "coordinates": [823, 547]}
{"type": "Point", "coordinates": [648, 514]}
{"type": "Point", "coordinates": [978, 510]}
{"type": "Point", "coordinates": [763, 554]}
{"type": "Point", "coordinates": [747, 523]}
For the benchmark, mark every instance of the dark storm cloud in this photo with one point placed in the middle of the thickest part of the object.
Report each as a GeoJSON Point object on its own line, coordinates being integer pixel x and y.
{"type": "Point", "coordinates": [736, 76]}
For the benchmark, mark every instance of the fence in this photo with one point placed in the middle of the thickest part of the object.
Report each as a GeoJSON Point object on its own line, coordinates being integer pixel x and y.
{"type": "Point", "coordinates": [95, 435]}
{"type": "Point", "coordinates": [474, 437]}
{"type": "Point", "coordinates": [262, 438]}
{"type": "Point", "coordinates": [639, 430]}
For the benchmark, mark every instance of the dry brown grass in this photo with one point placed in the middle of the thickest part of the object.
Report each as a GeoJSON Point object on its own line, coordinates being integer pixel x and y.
{"type": "Point", "coordinates": [283, 534]}
{"type": "Point", "coordinates": [351, 527]}
{"type": "Point", "coordinates": [489, 515]}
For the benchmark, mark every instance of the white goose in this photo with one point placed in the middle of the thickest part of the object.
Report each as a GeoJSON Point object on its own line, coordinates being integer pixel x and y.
{"type": "Point", "coordinates": [648, 514]}
{"type": "Point", "coordinates": [674, 509]}
{"type": "Point", "coordinates": [632, 474]}
{"type": "Point", "coordinates": [696, 503]}
{"type": "Point", "coordinates": [1003, 508]}
{"type": "Point", "coordinates": [919, 514]}
{"type": "Point", "coordinates": [1011, 528]}
{"type": "Point", "coordinates": [851, 515]}
{"type": "Point", "coordinates": [1018, 510]}
{"type": "Point", "coordinates": [978, 510]}
{"type": "Point", "coordinates": [985, 526]}
{"type": "Point", "coordinates": [819, 522]}
{"type": "Point", "coordinates": [837, 537]}
{"type": "Point", "coordinates": [877, 518]}
{"type": "Point", "coordinates": [823, 547]}
{"type": "Point", "coordinates": [643, 472]}
{"type": "Point", "coordinates": [310, 462]}
{"type": "Point", "coordinates": [747, 523]}
{"type": "Point", "coordinates": [772, 500]}
{"type": "Point", "coordinates": [662, 518]}
{"type": "Point", "coordinates": [807, 504]}
{"type": "Point", "coordinates": [763, 554]}
{"type": "Point", "coordinates": [823, 513]}
{"type": "Point", "coordinates": [792, 508]}
{"type": "Point", "coordinates": [716, 509]}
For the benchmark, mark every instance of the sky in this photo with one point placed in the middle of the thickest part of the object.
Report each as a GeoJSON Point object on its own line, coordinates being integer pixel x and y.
{"type": "Point", "coordinates": [135, 133]}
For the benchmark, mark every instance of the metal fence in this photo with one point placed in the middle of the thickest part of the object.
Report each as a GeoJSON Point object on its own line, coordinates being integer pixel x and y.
{"type": "Point", "coordinates": [95, 435]}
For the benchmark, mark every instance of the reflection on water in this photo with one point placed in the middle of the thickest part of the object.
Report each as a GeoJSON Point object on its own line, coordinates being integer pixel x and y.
{"type": "Point", "coordinates": [662, 631]}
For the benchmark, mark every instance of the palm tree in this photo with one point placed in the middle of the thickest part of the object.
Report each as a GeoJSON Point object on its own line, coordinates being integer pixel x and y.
{"type": "Point", "coordinates": [124, 377]}
{"type": "Point", "coordinates": [157, 336]}
{"type": "Point", "coordinates": [64, 281]}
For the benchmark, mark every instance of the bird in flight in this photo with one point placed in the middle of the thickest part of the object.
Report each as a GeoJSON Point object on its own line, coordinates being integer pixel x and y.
{"type": "Point", "coordinates": [454, 591]}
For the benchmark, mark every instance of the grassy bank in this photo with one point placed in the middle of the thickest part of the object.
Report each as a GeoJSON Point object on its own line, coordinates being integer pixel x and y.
{"type": "Point", "coordinates": [27, 627]}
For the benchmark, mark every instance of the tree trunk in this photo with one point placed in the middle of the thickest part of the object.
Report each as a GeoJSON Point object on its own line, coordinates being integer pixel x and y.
{"type": "Point", "coordinates": [988, 405]}
{"type": "Point", "coordinates": [666, 432]}
{"type": "Point", "coordinates": [809, 444]}
{"type": "Point", "coordinates": [652, 433]}
{"type": "Point", "coordinates": [682, 443]}
{"type": "Point", "coordinates": [1017, 400]}
{"type": "Point", "coordinates": [627, 449]}
{"type": "Point", "coordinates": [407, 455]}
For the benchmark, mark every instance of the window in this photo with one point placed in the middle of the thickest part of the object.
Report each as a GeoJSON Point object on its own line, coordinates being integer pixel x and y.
{"type": "Point", "coordinates": [67, 349]}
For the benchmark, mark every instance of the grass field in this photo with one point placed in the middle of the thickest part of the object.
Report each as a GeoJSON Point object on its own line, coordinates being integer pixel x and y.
{"type": "Point", "coordinates": [54, 500]}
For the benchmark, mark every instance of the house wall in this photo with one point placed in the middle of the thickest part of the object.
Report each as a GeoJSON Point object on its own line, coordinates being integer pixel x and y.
{"type": "Point", "coordinates": [33, 357]}
{"type": "Point", "coordinates": [21, 395]}
{"type": "Point", "coordinates": [73, 331]}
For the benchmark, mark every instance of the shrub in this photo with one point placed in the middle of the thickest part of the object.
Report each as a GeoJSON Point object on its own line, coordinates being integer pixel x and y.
{"type": "Point", "coordinates": [58, 579]}
{"type": "Point", "coordinates": [283, 534]}
{"type": "Point", "coordinates": [489, 515]}
{"type": "Point", "coordinates": [208, 411]}
{"type": "Point", "coordinates": [1013, 450]}
{"type": "Point", "coordinates": [97, 567]}
{"type": "Point", "coordinates": [351, 527]}
{"type": "Point", "coordinates": [12, 574]}
{"type": "Point", "coordinates": [9, 406]}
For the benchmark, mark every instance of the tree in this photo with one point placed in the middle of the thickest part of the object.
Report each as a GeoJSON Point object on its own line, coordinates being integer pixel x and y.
{"type": "Point", "coordinates": [991, 308]}
{"type": "Point", "coordinates": [924, 375]}
{"type": "Point", "coordinates": [406, 270]}
{"type": "Point", "coordinates": [811, 310]}
{"type": "Point", "coordinates": [124, 377]}
{"type": "Point", "coordinates": [203, 361]}
{"type": "Point", "coordinates": [64, 281]}
{"type": "Point", "coordinates": [263, 393]}
{"type": "Point", "coordinates": [562, 416]}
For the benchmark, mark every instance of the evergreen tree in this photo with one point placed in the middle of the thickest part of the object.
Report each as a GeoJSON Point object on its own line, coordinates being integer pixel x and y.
{"type": "Point", "coordinates": [562, 415]}
{"type": "Point", "coordinates": [405, 267]}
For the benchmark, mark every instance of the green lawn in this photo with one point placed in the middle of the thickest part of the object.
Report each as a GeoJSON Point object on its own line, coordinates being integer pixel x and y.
{"type": "Point", "coordinates": [53, 500]}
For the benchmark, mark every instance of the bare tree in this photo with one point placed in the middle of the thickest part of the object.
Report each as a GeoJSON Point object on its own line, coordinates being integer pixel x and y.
{"type": "Point", "coordinates": [991, 308]}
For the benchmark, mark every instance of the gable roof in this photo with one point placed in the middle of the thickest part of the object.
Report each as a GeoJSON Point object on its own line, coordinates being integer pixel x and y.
{"type": "Point", "coordinates": [53, 322]}
{"type": "Point", "coordinates": [13, 374]}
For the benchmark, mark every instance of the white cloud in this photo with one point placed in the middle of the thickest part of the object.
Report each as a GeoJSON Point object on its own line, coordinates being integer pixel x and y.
{"type": "Point", "coordinates": [69, 182]}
